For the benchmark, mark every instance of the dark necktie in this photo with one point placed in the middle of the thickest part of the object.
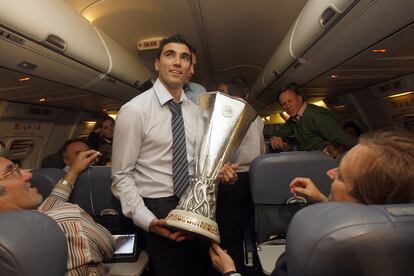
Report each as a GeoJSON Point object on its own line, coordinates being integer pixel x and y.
{"type": "Point", "coordinates": [179, 150]}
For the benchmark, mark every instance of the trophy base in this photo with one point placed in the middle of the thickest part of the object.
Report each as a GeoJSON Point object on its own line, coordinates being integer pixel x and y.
{"type": "Point", "coordinates": [194, 223]}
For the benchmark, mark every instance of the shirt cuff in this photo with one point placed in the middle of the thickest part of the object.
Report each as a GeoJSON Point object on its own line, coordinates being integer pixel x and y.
{"type": "Point", "coordinates": [143, 218]}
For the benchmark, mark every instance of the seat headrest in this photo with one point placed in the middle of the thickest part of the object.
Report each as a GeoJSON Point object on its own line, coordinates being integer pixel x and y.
{"type": "Point", "coordinates": [45, 179]}
{"type": "Point", "coordinates": [31, 243]}
{"type": "Point", "coordinates": [351, 239]}
{"type": "Point", "coordinates": [92, 191]}
{"type": "Point", "coordinates": [270, 174]}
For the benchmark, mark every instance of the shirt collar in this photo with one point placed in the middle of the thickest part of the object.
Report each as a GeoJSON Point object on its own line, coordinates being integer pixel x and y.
{"type": "Point", "coordinates": [300, 112]}
{"type": "Point", "coordinates": [164, 95]}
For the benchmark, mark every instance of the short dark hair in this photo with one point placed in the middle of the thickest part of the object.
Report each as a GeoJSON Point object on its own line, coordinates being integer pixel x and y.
{"type": "Point", "coordinates": [176, 38]}
{"type": "Point", "coordinates": [238, 87]}
{"type": "Point", "coordinates": [354, 126]}
{"type": "Point", "coordinates": [103, 119]}
{"type": "Point", "coordinates": [65, 146]}
{"type": "Point", "coordinates": [193, 50]}
{"type": "Point", "coordinates": [290, 87]}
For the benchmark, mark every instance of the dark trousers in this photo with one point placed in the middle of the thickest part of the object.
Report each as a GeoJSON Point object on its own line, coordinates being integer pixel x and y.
{"type": "Point", "coordinates": [189, 257]}
{"type": "Point", "coordinates": [234, 210]}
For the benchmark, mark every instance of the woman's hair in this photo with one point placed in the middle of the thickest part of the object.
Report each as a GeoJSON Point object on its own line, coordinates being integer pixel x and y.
{"type": "Point", "coordinates": [103, 119]}
{"type": "Point", "coordinates": [386, 174]}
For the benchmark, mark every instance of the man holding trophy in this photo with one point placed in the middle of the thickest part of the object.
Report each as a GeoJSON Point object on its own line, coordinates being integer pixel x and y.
{"type": "Point", "coordinates": [154, 152]}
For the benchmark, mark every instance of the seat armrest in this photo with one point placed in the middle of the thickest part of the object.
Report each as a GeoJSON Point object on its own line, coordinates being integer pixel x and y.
{"type": "Point", "coordinates": [249, 246]}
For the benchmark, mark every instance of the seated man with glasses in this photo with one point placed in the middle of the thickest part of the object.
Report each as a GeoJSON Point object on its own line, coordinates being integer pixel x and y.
{"type": "Point", "coordinates": [88, 242]}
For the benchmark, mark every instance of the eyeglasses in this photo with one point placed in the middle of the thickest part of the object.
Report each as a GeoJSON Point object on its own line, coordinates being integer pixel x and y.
{"type": "Point", "coordinates": [15, 171]}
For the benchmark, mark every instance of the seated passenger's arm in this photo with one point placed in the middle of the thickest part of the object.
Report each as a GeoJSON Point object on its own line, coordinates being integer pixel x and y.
{"type": "Point", "coordinates": [100, 236]}
{"type": "Point", "coordinates": [63, 189]}
{"type": "Point", "coordinates": [125, 151]}
{"type": "Point", "coordinates": [305, 187]}
{"type": "Point", "coordinates": [222, 261]}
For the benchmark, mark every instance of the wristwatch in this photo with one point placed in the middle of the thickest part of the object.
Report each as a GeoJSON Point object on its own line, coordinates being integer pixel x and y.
{"type": "Point", "coordinates": [67, 183]}
{"type": "Point", "coordinates": [232, 273]}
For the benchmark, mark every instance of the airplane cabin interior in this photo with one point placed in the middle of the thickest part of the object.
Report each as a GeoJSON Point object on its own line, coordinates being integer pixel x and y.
{"type": "Point", "coordinates": [66, 63]}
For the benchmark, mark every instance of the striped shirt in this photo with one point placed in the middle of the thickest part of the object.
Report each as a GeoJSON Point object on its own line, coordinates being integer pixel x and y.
{"type": "Point", "coordinates": [88, 242]}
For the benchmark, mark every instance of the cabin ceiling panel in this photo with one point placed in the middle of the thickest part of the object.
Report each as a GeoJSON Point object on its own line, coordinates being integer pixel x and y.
{"type": "Point", "coordinates": [232, 37]}
{"type": "Point", "coordinates": [129, 21]}
{"type": "Point", "coordinates": [247, 32]}
{"type": "Point", "coordinates": [55, 94]}
{"type": "Point", "coordinates": [242, 35]}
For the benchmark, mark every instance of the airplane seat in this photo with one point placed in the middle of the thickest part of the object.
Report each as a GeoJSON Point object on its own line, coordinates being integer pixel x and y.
{"type": "Point", "coordinates": [274, 207]}
{"type": "Point", "coordinates": [92, 192]}
{"type": "Point", "coordinates": [351, 239]}
{"type": "Point", "coordinates": [44, 179]}
{"type": "Point", "coordinates": [31, 243]}
{"type": "Point", "coordinates": [53, 161]}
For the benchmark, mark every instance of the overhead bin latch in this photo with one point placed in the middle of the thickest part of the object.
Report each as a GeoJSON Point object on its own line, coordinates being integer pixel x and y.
{"type": "Point", "coordinates": [327, 16]}
{"type": "Point", "coordinates": [55, 42]}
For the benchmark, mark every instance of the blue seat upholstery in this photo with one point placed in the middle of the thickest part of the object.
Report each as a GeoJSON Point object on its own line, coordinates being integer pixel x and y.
{"type": "Point", "coordinates": [270, 176]}
{"type": "Point", "coordinates": [351, 239]}
{"type": "Point", "coordinates": [45, 179]}
{"type": "Point", "coordinates": [92, 191]}
{"type": "Point", "coordinates": [31, 244]}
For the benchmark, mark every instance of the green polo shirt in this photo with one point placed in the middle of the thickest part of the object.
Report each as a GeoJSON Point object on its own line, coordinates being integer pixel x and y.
{"type": "Point", "coordinates": [314, 130]}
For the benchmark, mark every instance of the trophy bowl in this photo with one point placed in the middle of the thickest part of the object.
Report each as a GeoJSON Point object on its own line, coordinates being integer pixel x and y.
{"type": "Point", "coordinates": [222, 124]}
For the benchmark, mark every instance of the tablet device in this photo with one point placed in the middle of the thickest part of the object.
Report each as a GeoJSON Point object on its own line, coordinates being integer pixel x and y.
{"type": "Point", "coordinates": [125, 248]}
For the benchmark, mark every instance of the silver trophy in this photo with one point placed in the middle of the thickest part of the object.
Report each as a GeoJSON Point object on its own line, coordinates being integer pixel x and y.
{"type": "Point", "coordinates": [222, 124]}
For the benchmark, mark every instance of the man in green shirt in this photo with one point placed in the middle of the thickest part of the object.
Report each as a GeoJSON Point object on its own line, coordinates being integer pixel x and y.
{"type": "Point", "coordinates": [314, 127]}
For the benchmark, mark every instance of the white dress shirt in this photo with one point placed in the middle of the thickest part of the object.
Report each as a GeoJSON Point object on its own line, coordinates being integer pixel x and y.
{"type": "Point", "coordinates": [142, 150]}
{"type": "Point", "coordinates": [251, 146]}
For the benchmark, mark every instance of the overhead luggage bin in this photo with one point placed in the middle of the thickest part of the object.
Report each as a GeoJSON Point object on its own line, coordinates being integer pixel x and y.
{"type": "Point", "coordinates": [113, 88]}
{"type": "Point", "coordinates": [50, 40]}
{"type": "Point", "coordinates": [28, 57]}
{"type": "Point", "coordinates": [311, 49]}
{"type": "Point", "coordinates": [55, 25]}
{"type": "Point", "coordinates": [123, 65]}
{"type": "Point", "coordinates": [315, 18]}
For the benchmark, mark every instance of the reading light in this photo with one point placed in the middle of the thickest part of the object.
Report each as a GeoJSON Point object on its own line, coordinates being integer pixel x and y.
{"type": "Point", "coordinates": [399, 94]}
{"type": "Point", "coordinates": [42, 100]}
{"type": "Point", "coordinates": [379, 51]}
{"type": "Point", "coordinates": [320, 103]}
{"type": "Point", "coordinates": [112, 114]}
{"type": "Point", "coordinates": [24, 78]}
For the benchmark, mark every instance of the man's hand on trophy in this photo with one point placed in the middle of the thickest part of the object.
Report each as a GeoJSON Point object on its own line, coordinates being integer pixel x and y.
{"type": "Point", "coordinates": [157, 226]}
{"type": "Point", "coordinates": [227, 174]}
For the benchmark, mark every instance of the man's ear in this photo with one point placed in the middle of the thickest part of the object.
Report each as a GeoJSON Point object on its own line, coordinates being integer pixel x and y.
{"type": "Point", "coordinates": [157, 64]}
{"type": "Point", "coordinates": [66, 161]}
